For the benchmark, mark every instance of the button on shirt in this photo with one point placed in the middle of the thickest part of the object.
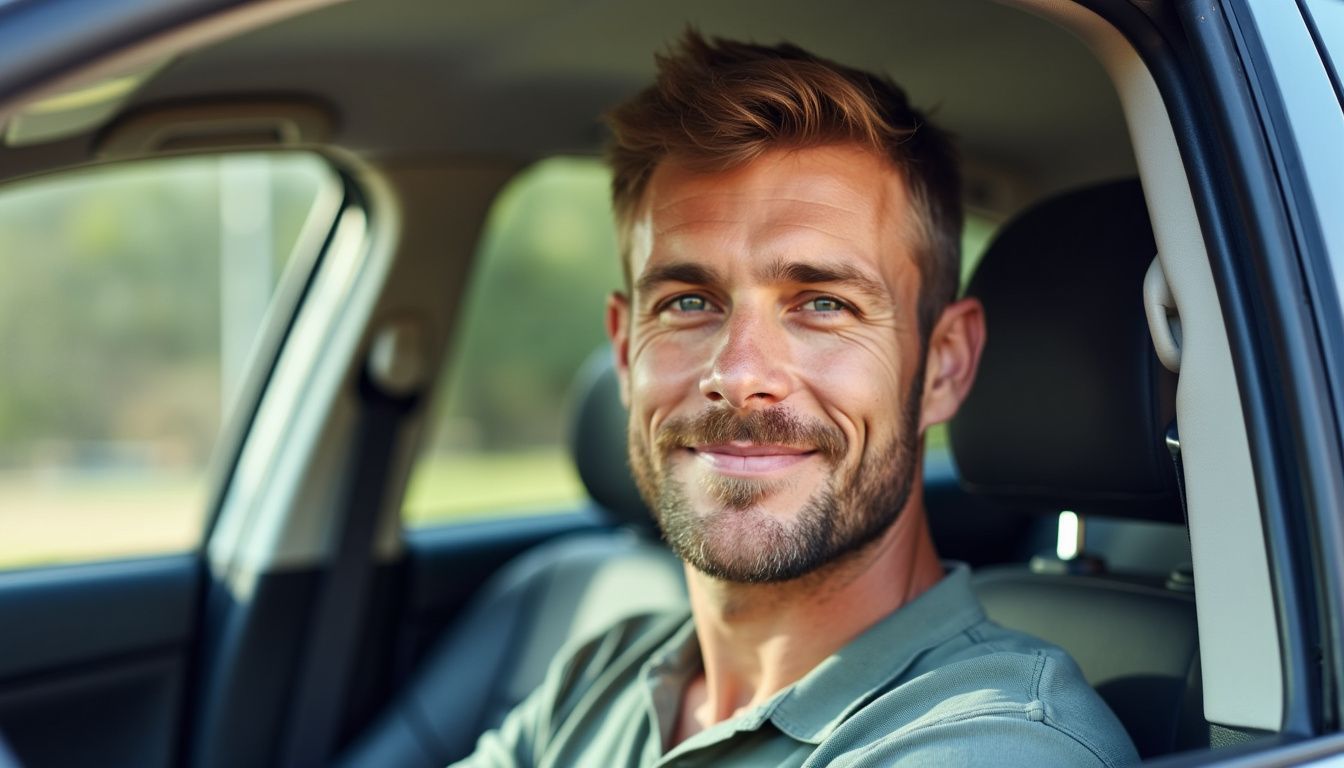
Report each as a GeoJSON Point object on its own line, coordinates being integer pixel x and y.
{"type": "Point", "coordinates": [933, 684]}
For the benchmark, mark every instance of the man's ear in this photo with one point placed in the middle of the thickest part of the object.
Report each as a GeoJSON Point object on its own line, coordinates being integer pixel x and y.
{"type": "Point", "coordinates": [955, 345]}
{"type": "Point", "coordinates": [618, 330]}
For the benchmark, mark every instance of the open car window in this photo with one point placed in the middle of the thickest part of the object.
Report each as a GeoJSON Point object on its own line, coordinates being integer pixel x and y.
{"type": "Point", "coordinates": [132, 299]}
{"type": "Point", "coordinates": [532, 313]}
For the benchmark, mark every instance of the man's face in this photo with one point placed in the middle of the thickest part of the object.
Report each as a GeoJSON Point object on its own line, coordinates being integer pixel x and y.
{"type": "Point", "coordinates": [771, 359]}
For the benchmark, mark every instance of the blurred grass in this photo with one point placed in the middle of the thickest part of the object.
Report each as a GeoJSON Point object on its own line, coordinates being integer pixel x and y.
{"type": "Point", "coordinates": [446, 488]}
{"type": "Point", "coordinates": [47, 523]}
{"type": "Point", "coordinates": [73, 519]}
{"type": "Point", "coordinates": [452, 487]}
{"type": "Point", "coordinates": [935, 438]}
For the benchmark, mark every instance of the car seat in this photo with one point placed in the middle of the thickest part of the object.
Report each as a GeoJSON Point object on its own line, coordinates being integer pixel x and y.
{"type": "Point", "coordinates": [1071, 411]}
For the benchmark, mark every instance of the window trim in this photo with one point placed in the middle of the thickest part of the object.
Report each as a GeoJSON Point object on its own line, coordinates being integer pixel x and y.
{"type": "Point", "coordinates": [305, 261]}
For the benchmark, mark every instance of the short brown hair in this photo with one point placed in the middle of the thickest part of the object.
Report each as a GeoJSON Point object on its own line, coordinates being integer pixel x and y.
{"type": "Point", "coordinates": [719, 104]}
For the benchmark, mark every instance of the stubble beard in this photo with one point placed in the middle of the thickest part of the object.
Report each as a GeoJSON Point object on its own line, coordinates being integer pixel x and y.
{"type": "Point", "coordinates": [739, 541]}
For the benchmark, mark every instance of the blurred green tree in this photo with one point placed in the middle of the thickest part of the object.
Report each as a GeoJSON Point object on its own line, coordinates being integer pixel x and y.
{"type": "Point", "coordinates": [110, 302]}
{"type": "Point", "coordinates": [534, 308]}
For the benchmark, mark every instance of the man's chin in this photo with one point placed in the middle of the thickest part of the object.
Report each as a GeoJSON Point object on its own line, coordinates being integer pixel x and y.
{"type": "Point", "coordinates": [738, 494]}
{"type": "Point", "coordinates": [750, 546]}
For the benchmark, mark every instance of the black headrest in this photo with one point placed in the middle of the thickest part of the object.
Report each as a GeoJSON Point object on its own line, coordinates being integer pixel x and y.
{"type": "Point", "coordinates": [597, 442]}
{"type": "Point", "coordinates": [1071, 406]}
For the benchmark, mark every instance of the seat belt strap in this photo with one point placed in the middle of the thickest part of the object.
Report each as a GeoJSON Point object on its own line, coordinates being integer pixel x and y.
{"type": "Point", "coordinates": [1173, 439]}
{"type": "Point", "coordinates": [323, 681]}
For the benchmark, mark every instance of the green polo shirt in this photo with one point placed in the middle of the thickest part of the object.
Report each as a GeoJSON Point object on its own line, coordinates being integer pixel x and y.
{"type": "Point", "coordinates": [933, 684]}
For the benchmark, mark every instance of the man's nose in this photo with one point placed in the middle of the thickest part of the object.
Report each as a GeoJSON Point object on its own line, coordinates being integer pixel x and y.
{"type": "Point", "coordinates": [748, 369]}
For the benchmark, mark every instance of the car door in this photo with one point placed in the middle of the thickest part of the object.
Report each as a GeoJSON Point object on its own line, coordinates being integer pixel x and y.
{"type": "Point", "coordinates": [143, 304]}
{"type": "Point", "coordinates": [1270, 76]}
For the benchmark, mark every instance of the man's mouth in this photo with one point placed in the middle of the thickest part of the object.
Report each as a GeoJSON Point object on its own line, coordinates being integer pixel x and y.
{"type": "Point", "coordinates": [750, 459]}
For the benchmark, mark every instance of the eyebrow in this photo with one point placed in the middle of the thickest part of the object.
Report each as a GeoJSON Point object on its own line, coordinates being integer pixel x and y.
{"type": "Point", "coordinates": [812, 274]}
{"type": "Point", "coordinates": [676, 272]}
{"type": "Point", "coordinates": [778, 271]}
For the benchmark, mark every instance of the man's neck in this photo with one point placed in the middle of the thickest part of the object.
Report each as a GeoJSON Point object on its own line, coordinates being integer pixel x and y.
{"type": "Point", "coordinates": [757, 639]}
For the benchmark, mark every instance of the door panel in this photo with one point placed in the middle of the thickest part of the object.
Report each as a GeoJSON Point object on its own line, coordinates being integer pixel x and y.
{"type": "Point", "coordinates": [446, 565]}
{"type": "Point", "coordinates": [94, 659]}
{"type": "Point", "coordinates": [245, 671]}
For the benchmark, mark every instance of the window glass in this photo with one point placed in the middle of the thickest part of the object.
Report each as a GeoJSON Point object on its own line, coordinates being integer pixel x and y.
{"type": "Point", "coordinates": [131, 298]}
{"type": "Point", "coordinates": [1327, 17]}
{"type": "Point", "coordinates": [532, 314]}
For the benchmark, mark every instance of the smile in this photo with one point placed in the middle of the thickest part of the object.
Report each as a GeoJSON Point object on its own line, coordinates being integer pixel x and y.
{"type": "Point", "coordinates": [747, 460]}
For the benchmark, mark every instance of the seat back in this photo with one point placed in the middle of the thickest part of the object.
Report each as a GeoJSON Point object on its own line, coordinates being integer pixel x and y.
{"type": "Point", "coordinates": [1136, 643]}
{"type": "Point", "coordinates": [1069, 412]}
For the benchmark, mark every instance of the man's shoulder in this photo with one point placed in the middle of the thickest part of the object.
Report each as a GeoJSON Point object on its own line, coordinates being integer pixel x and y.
{"type": "Point", "coordinates": [1010, 674]}
{"type": "Point", "coordinates": [996, 692]}
{"type": "Point", "coordinates": [1010, 656]}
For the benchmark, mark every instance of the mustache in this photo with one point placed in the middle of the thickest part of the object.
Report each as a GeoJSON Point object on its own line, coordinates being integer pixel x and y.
{"type": "Point", "coordinates": [773, 426]}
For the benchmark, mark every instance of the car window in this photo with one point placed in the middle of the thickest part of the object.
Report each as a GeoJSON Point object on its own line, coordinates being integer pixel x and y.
{"type": "Point", "coordinates": [132, 297]}
{"type": "Point", "coordinates": [532, 314]}
{"type": "Point", "coordinates": [1327, 19]}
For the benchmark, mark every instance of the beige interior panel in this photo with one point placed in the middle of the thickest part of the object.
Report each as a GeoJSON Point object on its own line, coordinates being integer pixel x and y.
{"type": "Point", "coordinates": [1239, 645]}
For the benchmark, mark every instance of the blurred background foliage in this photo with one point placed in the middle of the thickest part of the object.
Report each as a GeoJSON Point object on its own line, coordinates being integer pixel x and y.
{"type": "Point", "coordinates": [534, 309]}
{"type": "Point", "coordinates": [114, 323]}
{"type": "Point", "coordinates": [110, 312]}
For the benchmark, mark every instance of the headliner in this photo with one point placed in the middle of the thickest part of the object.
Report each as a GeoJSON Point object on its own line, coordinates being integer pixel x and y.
{"type": "Point", "coordinates": [523, 79]}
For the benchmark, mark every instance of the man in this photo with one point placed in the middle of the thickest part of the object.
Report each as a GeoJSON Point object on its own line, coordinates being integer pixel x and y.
{"type": "Point", "coordinates": [790, 233]}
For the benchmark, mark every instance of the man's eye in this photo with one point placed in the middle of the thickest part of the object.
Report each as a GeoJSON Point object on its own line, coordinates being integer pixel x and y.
{"type": "Point", "coordinates": [824, 304]}
{"type": "Point", "coordinates": [690, 303]}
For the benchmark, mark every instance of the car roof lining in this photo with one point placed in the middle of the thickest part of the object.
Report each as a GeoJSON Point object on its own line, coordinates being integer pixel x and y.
{"type": "Point", "coordinates": [421, 78]}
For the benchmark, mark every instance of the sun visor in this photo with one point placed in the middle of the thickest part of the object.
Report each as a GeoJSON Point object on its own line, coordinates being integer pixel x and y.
{"type": "Point", "coordinates": [81, 99]}
{"type": "Point", "coordinates": [75, 110]}
{"type": "Point", "coordinates": [224, 124]}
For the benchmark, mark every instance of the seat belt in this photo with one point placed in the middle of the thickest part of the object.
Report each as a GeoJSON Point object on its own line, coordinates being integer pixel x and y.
{"type": "Point", "coordinates": [1181, 578]}
{"type": "Point", "coordinates": [1173, 439]}
{"type": "Point", "coordinates": [333, 636]}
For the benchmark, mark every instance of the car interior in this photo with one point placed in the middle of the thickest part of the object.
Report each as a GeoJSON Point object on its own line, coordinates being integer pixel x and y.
{"type": "Point", "coordinates": [1133, 632]}
{"type": "Point", "coordinates": [1099, 479]}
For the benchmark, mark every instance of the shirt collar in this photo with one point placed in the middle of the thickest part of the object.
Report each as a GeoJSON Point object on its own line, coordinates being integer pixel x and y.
{"type": "Point", "coordinates": [665, 676]}
{"type": "Point", "coordinates": [824, 698]}
{"type": "Point", "coordinates": [847, 680]}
